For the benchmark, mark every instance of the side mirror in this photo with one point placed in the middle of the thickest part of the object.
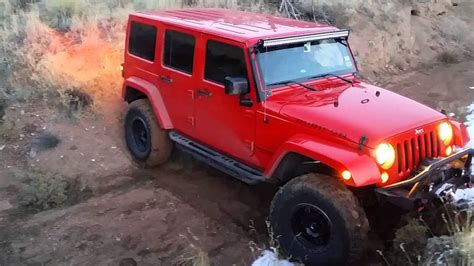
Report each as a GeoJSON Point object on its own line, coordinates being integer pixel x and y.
{"type": "Point", "coordinates": [236, 86]}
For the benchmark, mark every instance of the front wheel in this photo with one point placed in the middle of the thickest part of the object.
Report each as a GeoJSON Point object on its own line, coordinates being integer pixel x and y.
{"type": "Point", "coordinates": [318, 221]}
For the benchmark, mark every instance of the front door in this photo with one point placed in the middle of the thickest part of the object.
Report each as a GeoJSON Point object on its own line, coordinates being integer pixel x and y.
{"type": "Point", "coordinates": [221, 121]}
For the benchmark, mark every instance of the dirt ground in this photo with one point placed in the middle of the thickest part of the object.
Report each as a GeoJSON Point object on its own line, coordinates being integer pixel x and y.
{"type": "Point", "coordinates": [184, 213]}
{"type": "Point", "coordinates": [181, 213]}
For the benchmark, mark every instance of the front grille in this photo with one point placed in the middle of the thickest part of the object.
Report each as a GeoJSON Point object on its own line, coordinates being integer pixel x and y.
{"type": "Point", "coordinates": [411, 151]}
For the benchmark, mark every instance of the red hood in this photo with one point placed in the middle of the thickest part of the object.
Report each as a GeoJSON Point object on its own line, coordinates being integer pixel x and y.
{"type": "Point", "coordinates": [356, 111]}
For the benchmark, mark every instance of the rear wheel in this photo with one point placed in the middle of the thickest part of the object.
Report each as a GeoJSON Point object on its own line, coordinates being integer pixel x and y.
{"type": "Point", "coordinates": [148, 144]}
{"type": "Point", "coordinates": [318, 221]}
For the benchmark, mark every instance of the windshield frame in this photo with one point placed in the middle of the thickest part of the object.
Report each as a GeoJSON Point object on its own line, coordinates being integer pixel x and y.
{"type": "Point", "coordinates": [267, 88]}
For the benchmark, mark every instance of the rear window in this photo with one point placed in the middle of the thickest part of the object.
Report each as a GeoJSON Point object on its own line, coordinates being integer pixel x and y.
{"type": "Point", "coordinates": [142, 41]}
{"type": "Point", "coordinates": [224, 60]}
{"type": "Point", "coordinates": [179, 51]}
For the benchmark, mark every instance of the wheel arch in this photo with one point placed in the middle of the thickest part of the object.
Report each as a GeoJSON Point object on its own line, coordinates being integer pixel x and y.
{"type": "Point", "coordinates": [294, 164]}
{"type": "Point", "coordinates": [461, 135]}
{"type": "Point", "coordinates": [135, 88]}
{"type": "Point", "coordinates": [132, 94]}
{"type": "Point", "coordinates": [328, 158]}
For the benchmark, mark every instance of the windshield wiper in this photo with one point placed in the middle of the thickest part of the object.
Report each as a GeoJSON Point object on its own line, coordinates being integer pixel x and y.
{"type": "Point", "coordinates": [333, 75]}
{"type": "Point", "coordinates": [289, 82]}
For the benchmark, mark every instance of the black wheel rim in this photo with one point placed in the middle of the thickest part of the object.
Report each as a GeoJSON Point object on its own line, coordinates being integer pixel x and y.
{"type": "Point", "coordinates": [311, 226]}
{"type": "Point", "coordinates": [140, 135]}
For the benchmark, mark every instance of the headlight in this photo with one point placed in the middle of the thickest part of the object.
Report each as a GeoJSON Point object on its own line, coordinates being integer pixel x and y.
{"type": "Point", "coordinates": [445, 133]}
{"type": "Point", "coordinates": [385, 155]}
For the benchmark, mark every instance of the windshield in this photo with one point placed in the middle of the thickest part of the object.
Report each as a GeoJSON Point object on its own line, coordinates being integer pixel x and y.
{"type": "Point", "coordinates": [304, 61]}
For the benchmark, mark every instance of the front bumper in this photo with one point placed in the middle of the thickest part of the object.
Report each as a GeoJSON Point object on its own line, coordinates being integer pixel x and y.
{"type": "Point", "coordinates": [432, 180]}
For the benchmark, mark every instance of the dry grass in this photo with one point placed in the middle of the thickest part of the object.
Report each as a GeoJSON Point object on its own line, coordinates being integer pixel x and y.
{"type": "Point", "coordinates": [193, 255]}
{"type": "Point", "coordinates": [444, 241]}
{"type": "Point", "coordinates": [60, 45]}
{"type": "Point", "coordinates": [456, 248]}
{"type": "Point", "coordinates": [54, 47]}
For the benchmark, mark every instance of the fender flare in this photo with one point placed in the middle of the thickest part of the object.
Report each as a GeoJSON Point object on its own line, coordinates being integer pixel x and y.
{"type": "Point", "coordinates": [154, 96]}
{"type": "Point", "coordinates": [461, 135]}
{"type": "Point", "coordinates": [363, 168]}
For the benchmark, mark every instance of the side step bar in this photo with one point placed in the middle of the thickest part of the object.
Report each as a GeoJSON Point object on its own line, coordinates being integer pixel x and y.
{"type": "Point", "coordinates": [217, 160]}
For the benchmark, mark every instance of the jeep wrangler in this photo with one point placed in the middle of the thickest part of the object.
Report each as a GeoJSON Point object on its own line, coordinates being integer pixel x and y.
{"type": "Point", "coordinates": [268, 99]}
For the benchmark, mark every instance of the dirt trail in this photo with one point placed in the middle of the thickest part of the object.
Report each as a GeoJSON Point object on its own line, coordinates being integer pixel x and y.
{"type": "Point", "coordinates": [449, 87]}
{"type": "Point", "coordinates": [146, 223]}
{"type": "Point", "coordinates": [180, 213]}
{"type": "Point", "coordinates": [177, 214]}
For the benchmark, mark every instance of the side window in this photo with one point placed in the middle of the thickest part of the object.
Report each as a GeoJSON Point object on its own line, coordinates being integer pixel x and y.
{"type": "Point", "coordinates": [142, 41]}
{"type": "Point", "coordinates": [179, 51]}
{"type": "Point", "coordinates": [224, 60]}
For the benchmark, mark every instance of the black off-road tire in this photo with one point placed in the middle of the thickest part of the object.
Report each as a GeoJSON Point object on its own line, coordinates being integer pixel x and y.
{"type": "Point", "coordinates": [151, 148]}
{"type": "Point", "coordinates": [343, 242]}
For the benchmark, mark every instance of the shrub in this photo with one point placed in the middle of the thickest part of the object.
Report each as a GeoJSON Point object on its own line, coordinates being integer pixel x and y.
{"type": "Point", "coordinates": [39, 191]}
{"type": "Point", "coordinates": [60, 13]}
{"type": "Point", "coordinates": [448, 57]}
{"type": "Point", "coordinates": [75, 101]}
{"type": "Point", "coordinates": [408, 243]}
{"type": "Point", "coordinates": [55, 45]}
{"type": "Point", "coordinates": [450, 241]}
{"type": "Point", "coordinates": [3, 107]}
{"type": "Point", "coordinates": [330, 14]}
{"type": "Point", "coordinates": [456, 248]}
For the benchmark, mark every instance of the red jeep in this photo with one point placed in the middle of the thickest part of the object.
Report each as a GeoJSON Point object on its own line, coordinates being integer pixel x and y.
{"type": "Point", "coordinates": [268, 99]}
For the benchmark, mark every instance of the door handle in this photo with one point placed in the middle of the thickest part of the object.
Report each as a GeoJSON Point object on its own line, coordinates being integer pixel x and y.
{"type": "Point", "coordinates": [166, 79]}
{"type": "Point", "coordinates": [204, 93]}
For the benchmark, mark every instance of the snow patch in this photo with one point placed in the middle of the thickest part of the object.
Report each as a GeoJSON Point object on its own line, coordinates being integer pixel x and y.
{"type": "Point", "coordinates": [465, 195]}
{"type": "Point", "coordinates": [268, 258]}
{"type": "Point", "coordinates": [460, 197]}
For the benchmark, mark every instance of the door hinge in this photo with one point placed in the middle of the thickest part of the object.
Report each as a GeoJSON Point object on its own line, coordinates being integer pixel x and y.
{"type": "Point", "coordinates": [250, 144]}
{"type": "Point", "coordinates": [191, 120]}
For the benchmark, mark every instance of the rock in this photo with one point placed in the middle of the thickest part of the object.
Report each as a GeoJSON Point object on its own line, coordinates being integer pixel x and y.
{"type": "Point", "coordinates": [128, 262]}
{"type": "Point", "coordinates": [80, 245]}
{"type": "Point", "coordinates": [5, 205]}
{"type": "Point", "coordinates": [44, 142]}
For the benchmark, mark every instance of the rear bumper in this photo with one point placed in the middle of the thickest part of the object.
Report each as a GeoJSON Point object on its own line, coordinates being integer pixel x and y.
{"type": "Point", "coordinates": [432, 180]}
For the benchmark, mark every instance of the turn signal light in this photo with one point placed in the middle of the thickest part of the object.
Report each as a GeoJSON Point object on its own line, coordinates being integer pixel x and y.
{"type": "Point", "coordinates": [346, 175]}
{"type": "Point", "coordinates": [449, 151]}
{"type": "Point", "coordinates": [384, 177]}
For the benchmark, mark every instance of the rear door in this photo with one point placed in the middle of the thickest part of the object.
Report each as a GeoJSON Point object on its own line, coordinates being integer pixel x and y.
{"type": "Point", "coordinates": [221, 121]}
{"type": "Point", "coordinates": [176, 76]}
{"type": "Point", "coordinates": [142, 50]}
